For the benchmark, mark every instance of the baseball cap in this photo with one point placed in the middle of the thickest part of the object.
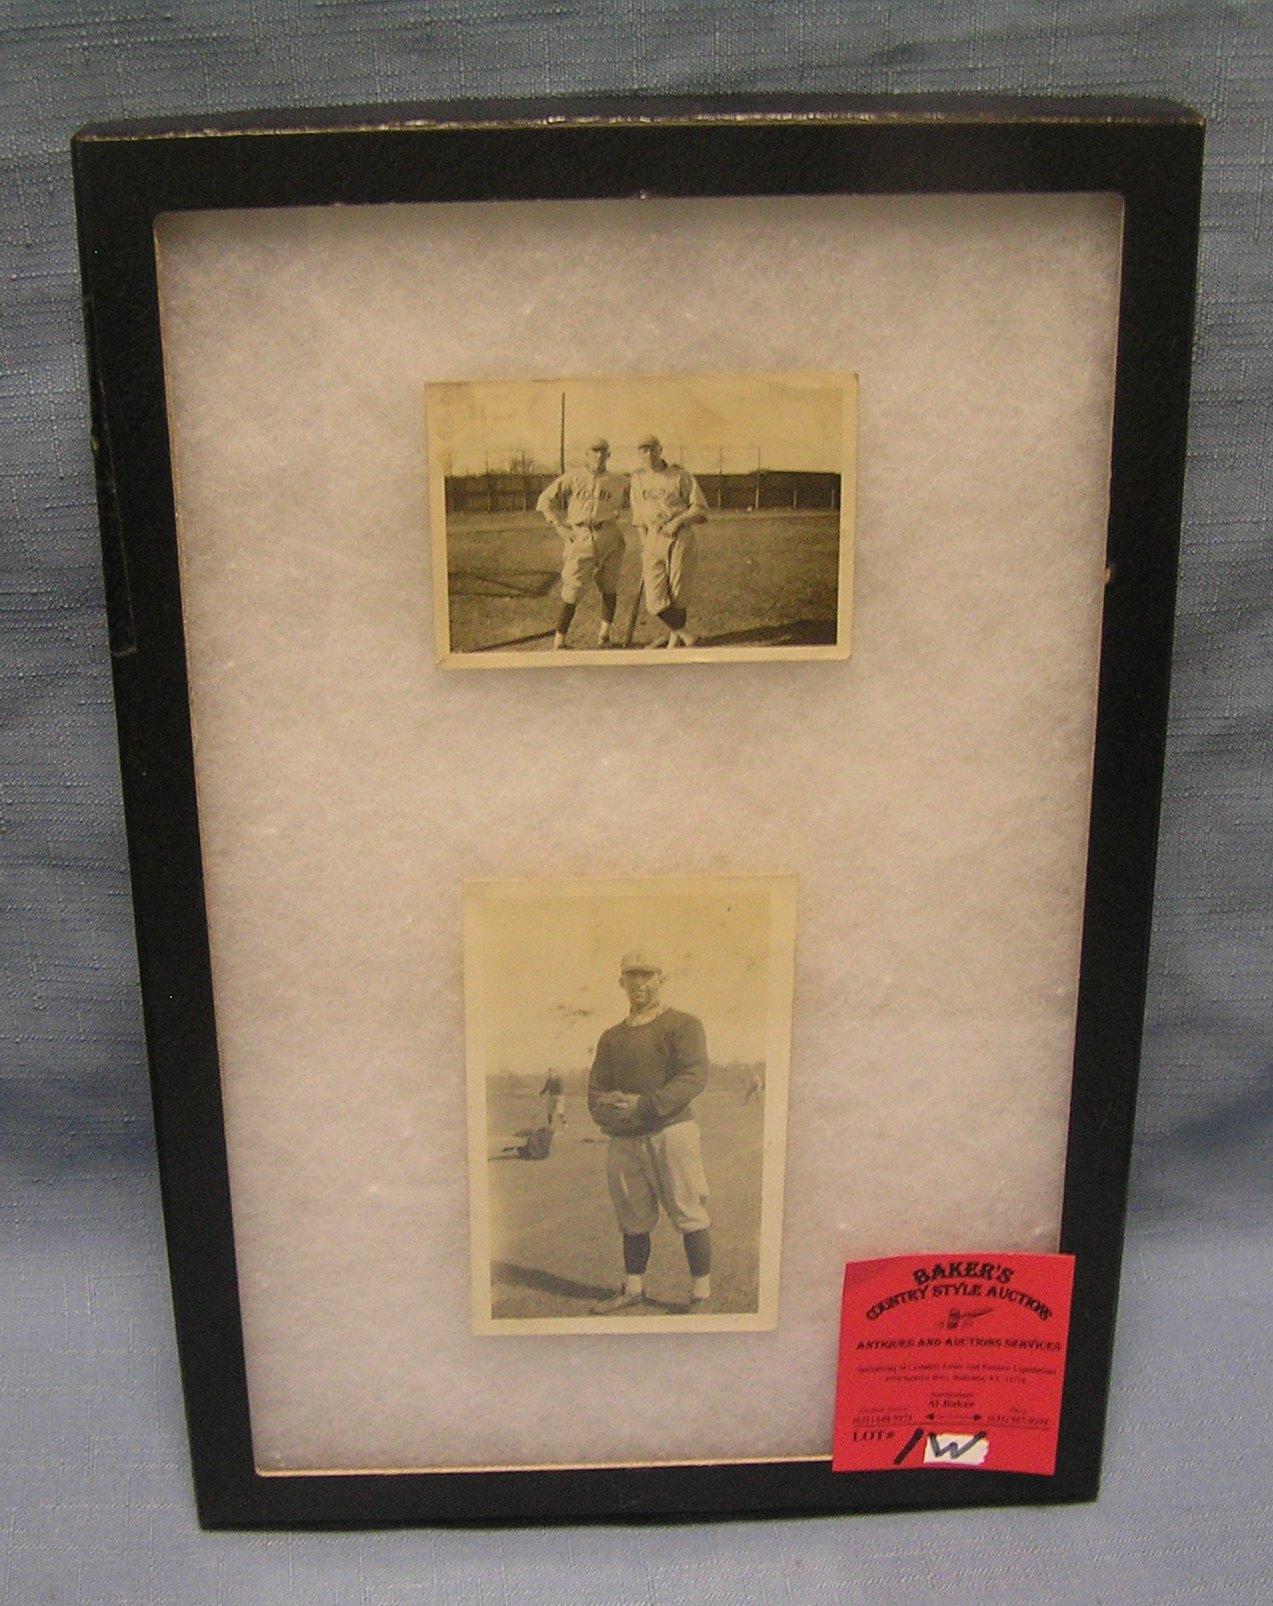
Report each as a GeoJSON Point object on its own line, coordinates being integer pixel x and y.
{"type": "Point", "coordinates": [598, 443]}
{"type": "Point", "coordinates": [649, 440]}
{"type": "Point", "coordinates": [639, 959]}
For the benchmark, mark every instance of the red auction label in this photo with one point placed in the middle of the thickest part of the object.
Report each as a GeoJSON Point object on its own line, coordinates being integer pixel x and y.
{"type": "Point", "coordinates": [952, 1361]}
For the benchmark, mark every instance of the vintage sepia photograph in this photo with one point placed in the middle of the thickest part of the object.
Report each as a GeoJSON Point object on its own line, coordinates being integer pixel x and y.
{"type": "Point", "coordinates": [627, 1050]}
{"type": "Point", "coordinates": [642, 520]}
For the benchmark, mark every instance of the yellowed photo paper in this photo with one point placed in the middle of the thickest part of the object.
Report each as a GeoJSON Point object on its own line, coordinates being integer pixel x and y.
{"type": "Point", "coordinates": [646, 520]}
{"type": "Point", "coordinates": [628, 1046]}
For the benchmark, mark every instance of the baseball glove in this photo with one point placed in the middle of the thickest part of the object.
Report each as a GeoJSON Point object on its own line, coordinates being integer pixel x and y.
{"type": "Point", "coordinates": [615, 1114]}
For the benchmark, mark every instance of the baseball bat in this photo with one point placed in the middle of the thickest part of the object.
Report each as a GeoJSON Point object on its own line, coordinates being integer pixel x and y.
{"type": "Point", "coordinates": [632, 617]}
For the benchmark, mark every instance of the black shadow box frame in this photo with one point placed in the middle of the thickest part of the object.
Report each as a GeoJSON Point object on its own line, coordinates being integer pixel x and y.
{"type": "Point", "coordinates": [1148, 153]}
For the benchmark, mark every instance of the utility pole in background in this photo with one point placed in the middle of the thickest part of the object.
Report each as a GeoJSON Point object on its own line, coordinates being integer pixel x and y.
{"type": "Point", "coordinates": [562, 466]}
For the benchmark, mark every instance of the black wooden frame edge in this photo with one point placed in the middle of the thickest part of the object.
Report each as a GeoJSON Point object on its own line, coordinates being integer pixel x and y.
{"type": "Point", "coordinates": [1154, 161]}
{"type": "Point", "coordinates": [633, 109]}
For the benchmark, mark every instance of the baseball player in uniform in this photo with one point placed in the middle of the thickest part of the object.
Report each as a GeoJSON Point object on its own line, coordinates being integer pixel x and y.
{"type": "Point", "coordinates": [646, 1074]}
{"type": "Point", "coordinates": [553, 1094]}
{"type": "Point", "coordinates": [583, 505]}
{"type": "Point", "coordinates": [536, 1144]}
{"type": "Point", "coordinates": [666, 504]}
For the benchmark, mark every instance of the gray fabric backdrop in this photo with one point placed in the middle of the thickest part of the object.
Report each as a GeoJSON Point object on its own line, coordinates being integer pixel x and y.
{"type": "Point", "coordinates": [94, 1466]}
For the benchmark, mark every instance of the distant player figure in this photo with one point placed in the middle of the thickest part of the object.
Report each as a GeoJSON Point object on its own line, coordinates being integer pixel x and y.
{"type": "Point", "coordinates": [583, 505]}
{"type": "Point", "coordinates": [755, 1087]}
{"type": "Point", "coordinates": [535, 1145]}
{"type": "Point", "coordinates": [666, 504]}
{"type": "Point", "coordinates": [553, 1094]}
{"type": "Point", "coordinates": [646, 1074]}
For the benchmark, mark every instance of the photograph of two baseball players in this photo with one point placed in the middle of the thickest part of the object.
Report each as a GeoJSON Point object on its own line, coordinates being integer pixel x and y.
{"type": "Point", "coordinates": [627, 1104]}
{"type": "Point", "coordinates": [666, 502]}
{"type": "Point", "coordinates": [566, 527]}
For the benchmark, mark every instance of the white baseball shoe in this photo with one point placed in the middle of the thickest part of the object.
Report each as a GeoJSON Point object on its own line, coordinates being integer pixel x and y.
{"type": "Point", "coordinates": [559, 641]}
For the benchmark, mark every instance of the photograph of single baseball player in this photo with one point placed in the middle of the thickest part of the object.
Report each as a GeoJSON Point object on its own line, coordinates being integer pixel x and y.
{"type": "Point", "coordinates": [651, 519]}
{"type": "Point", "coordinates": [647, 1194]}
{"type": "Point", "coordinates": [646, 1073]}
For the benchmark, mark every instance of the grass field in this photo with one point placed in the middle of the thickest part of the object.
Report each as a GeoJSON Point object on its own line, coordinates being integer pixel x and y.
{"type": "Point", "coordinates": [766, 579]}
{"type": "Point", "coordinates": [555, 1244]}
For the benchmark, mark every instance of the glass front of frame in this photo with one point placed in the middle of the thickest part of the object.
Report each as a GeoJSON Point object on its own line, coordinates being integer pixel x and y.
{"type": "Point", "coordinates": [928, 796]}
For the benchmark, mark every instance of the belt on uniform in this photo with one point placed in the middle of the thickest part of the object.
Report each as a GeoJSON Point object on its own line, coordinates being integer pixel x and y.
{"type": "Point", "coordinates": [591, 524]}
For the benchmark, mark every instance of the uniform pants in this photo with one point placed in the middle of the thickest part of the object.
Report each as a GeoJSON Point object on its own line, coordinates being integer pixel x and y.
{"type": "Point", "coordinates": [659, 1168]}
{"type": "Point", "coordinates": [591, 554]}
{"type": "Point", "coordinates": [667, 568]}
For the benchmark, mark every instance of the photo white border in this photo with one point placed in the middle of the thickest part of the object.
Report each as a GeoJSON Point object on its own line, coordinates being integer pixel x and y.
{"type": "Point", "coordinates": [782, 891]}
{"type": "Point", "coordinates": [511, 658]}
